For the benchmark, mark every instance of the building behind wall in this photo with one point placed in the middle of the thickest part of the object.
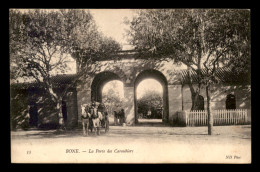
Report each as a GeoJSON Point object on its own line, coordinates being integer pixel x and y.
{"type": "Point", "coordinates": [24, 95]}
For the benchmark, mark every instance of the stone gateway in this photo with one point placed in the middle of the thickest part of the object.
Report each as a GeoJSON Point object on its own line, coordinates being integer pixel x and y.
{"type": "Point", "coordinates": [234, 90]}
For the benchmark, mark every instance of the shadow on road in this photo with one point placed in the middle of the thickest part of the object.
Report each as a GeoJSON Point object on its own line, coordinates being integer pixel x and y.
{"type": "Point", "coordinates": [143, 130]}
{"type": "Point", "coordinates": [151, 124]}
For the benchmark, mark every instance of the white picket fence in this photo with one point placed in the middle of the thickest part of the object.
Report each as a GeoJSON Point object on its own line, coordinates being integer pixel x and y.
{"type": "Point", "coordinates": [220, 117]}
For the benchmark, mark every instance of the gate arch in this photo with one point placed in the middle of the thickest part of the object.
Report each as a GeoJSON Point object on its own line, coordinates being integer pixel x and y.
{"type": "Point", "coordinates": [157, 75]}
{"type": "Point", "coordinates": [98, 83]}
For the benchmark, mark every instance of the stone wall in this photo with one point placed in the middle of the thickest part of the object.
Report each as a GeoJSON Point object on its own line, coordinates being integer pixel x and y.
{"type": "Point", "coordinates": [83, 97]}
{"type": "Point", "coordinates": [72, 110]}
{"type": "Point", "coordinates": [175, 100]}
{"type": "Point", "coordinates": [179, 96]}
{"type": "Point", "coordinates": [218, 96]}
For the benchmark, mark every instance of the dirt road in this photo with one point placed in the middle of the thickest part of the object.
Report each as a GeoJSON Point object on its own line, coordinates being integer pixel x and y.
{"type": "Point", "coordinates": [138, 144]}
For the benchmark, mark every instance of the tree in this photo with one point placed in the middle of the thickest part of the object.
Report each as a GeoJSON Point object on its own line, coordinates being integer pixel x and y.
{"type": "Point", "coordinates": [112, 100]}
{"type": "Point", "coordinates": [151, 100]}
{"type": "Point", "coordinates": [41, 41]}
{"type": "Point", "coordinates": [202, 39]}
{"type": "Point", "coordinates": [111, 97]}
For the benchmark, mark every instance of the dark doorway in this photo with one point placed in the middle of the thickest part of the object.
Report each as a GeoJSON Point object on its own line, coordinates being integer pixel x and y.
{"type": "Point", "coordinates": [231, 102]}
{"type": "Point", "coordinates": [33, 112]}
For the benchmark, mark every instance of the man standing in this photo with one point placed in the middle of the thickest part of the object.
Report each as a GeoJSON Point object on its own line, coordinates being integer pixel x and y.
{"type": "Point", "coordinates": [122, 117]}
{"type": "Point", "coordinates": [115, 117]}
{"type": "Point", "coordinates": [149, 114]}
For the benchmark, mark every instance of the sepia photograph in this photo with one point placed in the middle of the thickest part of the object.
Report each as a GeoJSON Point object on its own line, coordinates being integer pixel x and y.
{"type": "Point", "coordinates": [130, 86]}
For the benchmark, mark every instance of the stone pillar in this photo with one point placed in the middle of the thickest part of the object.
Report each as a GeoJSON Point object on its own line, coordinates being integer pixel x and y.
{"type": "Point", "coordinates": [175, 100]}
{"type": "Point", "coordinates": [72, 109]}
{"type": "Point", "coordinates": [83, 97]}
{"type": "Point", "coordinates": [129, 105]}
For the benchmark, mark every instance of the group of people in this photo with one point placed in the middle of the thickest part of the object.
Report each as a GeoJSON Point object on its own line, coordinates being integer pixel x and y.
{"type": "Point", "coordinates": [94, 117]}
{"type": "Point", "coordinates": [119, 117]}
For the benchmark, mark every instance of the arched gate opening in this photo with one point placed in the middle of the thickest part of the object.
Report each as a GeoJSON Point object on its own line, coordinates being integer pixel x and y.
{"type": "Point", "coordinates": [158, 76]}
{"type": "Point", "coordinates": [107, 88]}
{"type": "Point", "coordinates": [98, 83]}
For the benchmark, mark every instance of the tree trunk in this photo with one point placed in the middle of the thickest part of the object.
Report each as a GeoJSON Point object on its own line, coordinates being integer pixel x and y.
{"type": "Point", "coordinates": [59, 110]}
{"type": "Point", "coordinates": [58, 100]}
{"type": "Point", "coordinates": [194, 93]}
{"type": "Point", "coordinates": [210, 115]}
{"type": "Point", "coordinates": [195, 101]}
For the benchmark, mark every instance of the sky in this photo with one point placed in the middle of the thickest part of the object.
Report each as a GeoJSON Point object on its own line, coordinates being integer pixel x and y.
{"type": "Point", "coordinates": [143, 86]}
{"type": "Point", "coordinates": [115, 85]}
{"type": "Point", "coordinates": [111, 23]}
{"type": "Point", "coordinates": [148, 84]}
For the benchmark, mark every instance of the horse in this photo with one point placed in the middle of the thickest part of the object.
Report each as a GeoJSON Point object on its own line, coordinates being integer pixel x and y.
{"type": "Point", "coordinates": [96, 118]}
{"type": "Point", "coordinates": [86, 119]}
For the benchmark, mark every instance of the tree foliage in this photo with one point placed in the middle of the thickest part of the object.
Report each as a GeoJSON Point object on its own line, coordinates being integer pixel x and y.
{"type": "Point", "coordinates": [151, 100]}
{"type": "Point", "coordinates": [42, 41]}
{"type": "Point", "coordinates": [193, 36]}
{"type": "Point", "coordinates": [112, 99]}
{"type": "Point", "coordinates": [199, 38]}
